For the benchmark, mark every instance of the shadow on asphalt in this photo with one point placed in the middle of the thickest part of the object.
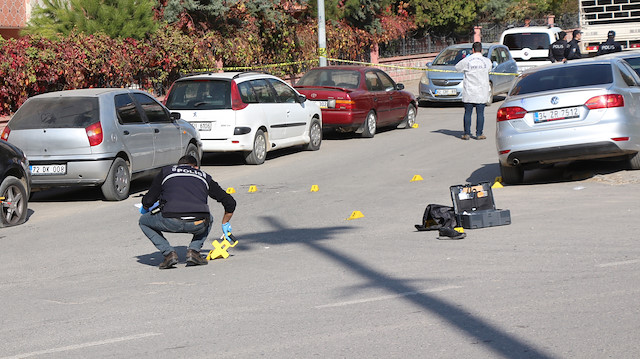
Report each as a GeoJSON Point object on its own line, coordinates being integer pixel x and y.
{"type": "Point", "coordinates": [491, 337]}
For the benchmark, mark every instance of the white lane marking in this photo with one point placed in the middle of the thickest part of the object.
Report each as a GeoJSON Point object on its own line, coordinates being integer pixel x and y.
{"type": "Point", "coordinates": [84, 345]}
{"type": "Point", "coordinates": [386, 297]}
{"type": "Point", "coordinates": [613, 264]}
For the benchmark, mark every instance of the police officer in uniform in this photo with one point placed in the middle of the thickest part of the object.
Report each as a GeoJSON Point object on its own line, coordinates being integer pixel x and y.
{"type": "Point", "coordinates": [573, 52]}
{"type": "Point", "coordinates": [610, 45]}
{"type": "Point", "coordinates": [182, 192]}
{"type": "Point", "coordinates": [558, 50]}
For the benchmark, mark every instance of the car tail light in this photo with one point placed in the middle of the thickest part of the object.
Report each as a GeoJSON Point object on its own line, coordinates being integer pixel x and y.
{"type": "Point", "coordinates": [511, 113]}
{"type": "Point", "coordinates": [605, 101]}
{"type": "Point", "coordinates": [94, 133]}
{"type": "Point", "coordinates": [236, 100]}
{"type": "Point", "coordinates": [618, 139]}
{"type": "Point", "coordinates": [5, 133]}
{"type": "Point", "coordinates": [347, 104]}
{"type": "Point", "coordinates": [164, 101]}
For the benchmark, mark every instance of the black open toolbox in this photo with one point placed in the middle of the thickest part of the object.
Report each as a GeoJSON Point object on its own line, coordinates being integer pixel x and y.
{"type": "Point", "coordinates": [475, 208]}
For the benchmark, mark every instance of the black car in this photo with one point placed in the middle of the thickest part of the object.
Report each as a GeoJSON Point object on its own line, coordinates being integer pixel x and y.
{"type": "Point", "coordinates": [15, 185]}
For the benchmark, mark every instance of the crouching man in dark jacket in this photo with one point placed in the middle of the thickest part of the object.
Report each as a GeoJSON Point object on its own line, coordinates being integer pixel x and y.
{"type": "Point", "coordinates": [182, 192]}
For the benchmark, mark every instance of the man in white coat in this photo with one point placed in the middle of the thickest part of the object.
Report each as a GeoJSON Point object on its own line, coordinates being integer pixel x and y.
{"type": "Point", "coordinates": [476, 91]}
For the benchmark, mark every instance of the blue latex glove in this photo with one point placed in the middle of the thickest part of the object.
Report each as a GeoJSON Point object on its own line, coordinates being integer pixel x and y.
{"type": "Point", "coordinates": [226, 230]}
{"type": "Point", "coordinates": [143, 210]}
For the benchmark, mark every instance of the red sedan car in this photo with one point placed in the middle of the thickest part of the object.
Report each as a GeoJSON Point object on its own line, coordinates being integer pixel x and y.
{"type": "Point", "coordinates": [358, 98]}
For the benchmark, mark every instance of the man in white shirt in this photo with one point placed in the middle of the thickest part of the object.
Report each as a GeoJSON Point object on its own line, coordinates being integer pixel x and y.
{"type": "Point", "coordinates": [476, 91]}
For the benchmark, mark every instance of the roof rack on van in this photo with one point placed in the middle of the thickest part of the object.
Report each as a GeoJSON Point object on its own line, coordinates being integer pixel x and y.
{"type": "Point", "coordinates": [203, 72]}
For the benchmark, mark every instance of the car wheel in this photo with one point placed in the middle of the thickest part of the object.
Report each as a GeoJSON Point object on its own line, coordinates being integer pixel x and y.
{"type": "Point", "coordinates": [116, 186]}
{"type": "Point", "coordinates": [370, 125]}
{"type": "Point", "coordinates": [192, 150]}
{"type": "Point", "coordinates": [14, 204]}
{"type": "Point", "coordinates": [634, 162]}
{"type": "Point", "coordinates": [512, 175]}
{"type": "Point", "coordinates": [410, 118]}
{"type": "Point", "coordinates": [259, 153]}
{"type": "Point", "coordinates": [315, 135]}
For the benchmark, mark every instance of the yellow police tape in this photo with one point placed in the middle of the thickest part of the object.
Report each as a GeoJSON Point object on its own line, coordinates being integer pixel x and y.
{"type": "Point", "coordinates": [255, 67]}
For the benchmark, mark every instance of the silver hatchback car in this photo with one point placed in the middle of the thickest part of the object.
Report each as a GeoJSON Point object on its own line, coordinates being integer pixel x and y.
{"type": "Point", "coordinates": [98, 137]}
{"type": "Point", "coordinates": [583, 109]}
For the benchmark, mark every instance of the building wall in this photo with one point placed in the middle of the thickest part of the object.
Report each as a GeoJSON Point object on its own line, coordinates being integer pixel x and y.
{"type": "Point", "coordinates": [14, 15]}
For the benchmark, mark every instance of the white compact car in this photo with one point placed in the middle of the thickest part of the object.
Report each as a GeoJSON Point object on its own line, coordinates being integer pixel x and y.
{"type": "Point", "coordinates": [529, 46]}
{"type": "Point", "coordinates": [246, 112]}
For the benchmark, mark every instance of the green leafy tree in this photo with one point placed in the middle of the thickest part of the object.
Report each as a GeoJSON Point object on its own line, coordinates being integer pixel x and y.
{"type": "Point", "coordinates": [445, 16]}
{"type": "Point", "coordinates": [116, 18]}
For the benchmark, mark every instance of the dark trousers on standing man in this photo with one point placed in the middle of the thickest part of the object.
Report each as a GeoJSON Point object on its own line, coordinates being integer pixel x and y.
{"type": "Point", "coordinates": [468, 109]}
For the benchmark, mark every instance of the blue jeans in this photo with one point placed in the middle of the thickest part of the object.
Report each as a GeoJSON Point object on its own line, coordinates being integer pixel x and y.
{"type": "Point", "coordinates": [153, 225]}
{"type": "Point", "coordinates": [468, 108]}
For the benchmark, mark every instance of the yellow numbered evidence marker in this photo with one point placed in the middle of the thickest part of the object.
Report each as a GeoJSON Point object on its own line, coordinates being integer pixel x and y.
{"type": "Point", "coordinates": [220, 248]}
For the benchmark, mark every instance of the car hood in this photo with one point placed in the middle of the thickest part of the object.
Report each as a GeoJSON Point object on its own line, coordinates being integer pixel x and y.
{"type": "Point", "coordinates": [444, 72]}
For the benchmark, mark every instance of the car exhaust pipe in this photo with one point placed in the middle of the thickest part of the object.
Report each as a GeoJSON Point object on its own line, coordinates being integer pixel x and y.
{"type": "Point", "coordinates": [516, 161]}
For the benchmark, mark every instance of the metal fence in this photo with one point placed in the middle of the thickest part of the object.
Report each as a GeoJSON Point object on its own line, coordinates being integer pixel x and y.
{"type": "Point", "coordinates": [406, 46]}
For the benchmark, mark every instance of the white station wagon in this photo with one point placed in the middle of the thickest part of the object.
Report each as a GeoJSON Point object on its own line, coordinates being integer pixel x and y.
{"type": "Point", "coordinates": [246, 112]}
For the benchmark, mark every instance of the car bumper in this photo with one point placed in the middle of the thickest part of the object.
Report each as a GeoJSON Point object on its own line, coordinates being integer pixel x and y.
{"type": "Point", "coordinates": [565, 153]}
{"type": "Point", "coordinates": [428, 93]}
{"type": "Point", "coordinates": [79, 173]}
{"type": "Point", "coordinates": [342, 118]}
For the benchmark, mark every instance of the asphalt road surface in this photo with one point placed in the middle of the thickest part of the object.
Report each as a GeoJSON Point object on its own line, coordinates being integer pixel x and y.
{"type": "Point", "coordinates": [80, 280]}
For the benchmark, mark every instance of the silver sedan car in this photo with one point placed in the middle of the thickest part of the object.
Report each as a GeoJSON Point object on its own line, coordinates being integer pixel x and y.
{"type": "Point", "coordinates": [583, 109]}
{"type": "Point", "coordinates": [441, 82]}
{"type": "Point", "coordinates": [98, 137]}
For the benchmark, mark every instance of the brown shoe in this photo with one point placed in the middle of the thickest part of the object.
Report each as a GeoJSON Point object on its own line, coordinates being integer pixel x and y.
{"type": "Point", "coordinates": [465, 137]}
{"type": "Point", "coordinates": [170, 260]}
{"type": "Point", "coordinates": [481, 137]}
{"type": "Point", "coordinates": [194, 257]}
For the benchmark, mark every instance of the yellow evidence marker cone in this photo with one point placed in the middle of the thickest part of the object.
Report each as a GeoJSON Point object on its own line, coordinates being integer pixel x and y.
{"type": "Point", "coordinates": [415, 125]}
{"type": "Point", "coordinates": [231, 190]}
{"type": "Point", "coordinates": [459, 229]}
{"type": "Point", "coordinates": [253, 189]}
{"type": "Point", "coordinates": [497, 183]}
{"type": "Point", "coordinates": [416, 178]}
{"type": "Point", "coordinates": [314, 188]}
{"type": "Point", "coordinates": [355, 214]}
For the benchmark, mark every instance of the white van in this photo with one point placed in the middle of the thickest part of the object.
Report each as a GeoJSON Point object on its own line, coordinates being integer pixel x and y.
{"type": "Point", "coordinates": [529, 46]}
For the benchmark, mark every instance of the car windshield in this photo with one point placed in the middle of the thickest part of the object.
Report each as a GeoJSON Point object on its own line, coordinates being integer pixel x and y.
{"type": "Point", "coordinates": [527, 40]}
{"type": "Point", "coordinates": [330, 77]}
{"type": "Point", "coordinates": [200, 95]}
{"type": "Point", "coordinates": [56, 112]}
{"type": "Point", "coordinates": [563, 77]}
{"type": "Point", "coordinates": [452, 56]}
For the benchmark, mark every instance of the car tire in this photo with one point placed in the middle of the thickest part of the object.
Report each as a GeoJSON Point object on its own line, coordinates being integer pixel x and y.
{"type": "Point", "coordinates": [634, 162]}
{"type": "Point", "coordinates": [118, 183]}
{"type": "Point", "coordinates": [370, 125]}
{"type": "Point", "coordinates": [192, 150]}
{"type": "Point", "coordinates": [315, 136]}
{"type": "Point", "coordinates": [410, 118]}
{"type": "Point", "coordinates": [512, 174]}
{"type": "Point", "coordinates": [259, 153]}
{"type": "Point", "coordinates": [15, 202]}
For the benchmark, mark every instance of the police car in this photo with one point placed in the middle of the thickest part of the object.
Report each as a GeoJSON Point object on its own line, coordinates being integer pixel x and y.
{"type": "Point", "coordinates": [529, 46]}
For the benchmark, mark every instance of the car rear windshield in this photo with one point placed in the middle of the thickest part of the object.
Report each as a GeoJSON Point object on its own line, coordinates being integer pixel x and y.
{"type": "Point", "coordinates": [339, 78]}
{"type": "Point", "coordinates": [527, 40]}
{"type": "Point", "coordinates": [563, 77]}
{"type": "Point", "coordinates": [453, 56]}
{"type": "Point", "coordinates": [200, 95]}
{"type": "Point", "coordinates": [58, 112]}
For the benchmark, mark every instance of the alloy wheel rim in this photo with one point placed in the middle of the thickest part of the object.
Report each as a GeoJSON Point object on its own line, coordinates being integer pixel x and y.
{"type": "Point", "coordinates": [371, 123]}
{"type": "Point", "coordinates": [260, 147]}
{"type": "Point", "coordinates": [411, 117]}
{"type": "Point", "coordinates": [122, 180]}
{"type": "Point", "coordinates": [12, 205]}
{"type": "Point", "coordinates": [315, 134]}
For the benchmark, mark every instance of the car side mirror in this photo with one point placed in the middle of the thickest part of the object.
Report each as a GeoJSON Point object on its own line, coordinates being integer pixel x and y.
{"type": "Point", "coordinates": [302, 98]}
{"type": "Point", "coordinates": [495, 64]}
{"type": "Point", "coordinates": [174, 116]}
{"type": "Point", "coordinates": [399, 86]}
{"type": "Point", "coordinates": [429, 64]}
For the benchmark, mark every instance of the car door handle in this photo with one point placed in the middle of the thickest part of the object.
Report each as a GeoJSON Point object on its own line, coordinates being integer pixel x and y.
{"type": "Point", "coordinates": [156, 130]}
{"type": "Point", "coordinates": [126, 132]}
